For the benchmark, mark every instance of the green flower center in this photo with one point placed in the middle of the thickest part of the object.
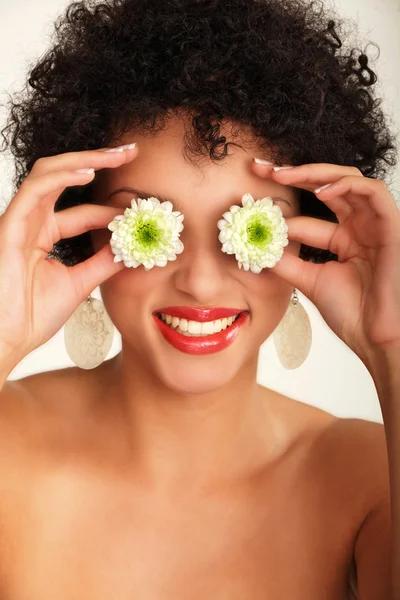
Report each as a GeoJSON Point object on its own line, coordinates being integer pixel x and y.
{"type": "Point", "coordinates": [147, 234]}
{"type": "Point", "coordinates": [258, 230]}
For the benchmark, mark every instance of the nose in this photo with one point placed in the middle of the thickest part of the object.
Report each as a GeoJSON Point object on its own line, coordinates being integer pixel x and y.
{"type": "Point", "coordinates": [202, 273]}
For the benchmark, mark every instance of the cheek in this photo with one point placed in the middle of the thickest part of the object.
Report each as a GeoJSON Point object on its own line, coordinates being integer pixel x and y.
{"type": "Point", "coordinates": [132, 292]}
{"type": "Point", "coordinates": [130, 285]}
{"type": "Point", "coordinates": [267, 289]}
{"type": "Point", "coordinates": [268, 296]}
{"type": "Point", "coordinates": [267, 284]}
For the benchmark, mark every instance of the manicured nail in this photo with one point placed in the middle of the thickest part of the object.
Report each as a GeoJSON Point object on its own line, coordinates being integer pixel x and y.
{"type": "Point", "coordinates": [281, 168]}
{"type": "Point", "coordinates": [261, 161]}
{"type": "Point", "coordinates": [121, 148]}
{"type": "Point", "coordinates": [322, 188]}
{"type": "Point", "coordinates": [84, 171]}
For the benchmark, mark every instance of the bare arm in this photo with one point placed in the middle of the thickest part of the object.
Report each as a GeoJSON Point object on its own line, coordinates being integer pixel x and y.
{"type": "Point", "coordinates": [373, 542]}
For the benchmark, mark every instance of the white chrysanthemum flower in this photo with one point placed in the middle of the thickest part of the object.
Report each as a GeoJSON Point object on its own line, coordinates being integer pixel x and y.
{"type": "Point", "coordinates": [147, 234]}
{"type": "Point", "coordinates": [255, 232]}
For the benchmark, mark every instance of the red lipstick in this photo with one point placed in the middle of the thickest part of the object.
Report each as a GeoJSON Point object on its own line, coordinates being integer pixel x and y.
{"type": "Point", "coordinates": [206, 344]}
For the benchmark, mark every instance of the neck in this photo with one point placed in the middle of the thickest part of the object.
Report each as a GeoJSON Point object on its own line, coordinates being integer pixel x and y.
{"type": "Point", "coordinates": [224, 434]}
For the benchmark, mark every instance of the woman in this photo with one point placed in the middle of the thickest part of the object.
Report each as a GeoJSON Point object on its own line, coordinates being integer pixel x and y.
{"type": "Point", "coordinates": [167, 472]}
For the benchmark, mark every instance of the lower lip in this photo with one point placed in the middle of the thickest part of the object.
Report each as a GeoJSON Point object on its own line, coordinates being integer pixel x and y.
{"type": "Point", "coordinates": [201, 344]}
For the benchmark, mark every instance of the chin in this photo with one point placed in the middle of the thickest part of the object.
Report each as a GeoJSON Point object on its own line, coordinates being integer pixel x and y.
{"type": "Point", "coordinates": [194, 365]}
{"type": "Point", "coordinates": [200, 377]}
{"type": "Point", "coordinates": [201, 374]}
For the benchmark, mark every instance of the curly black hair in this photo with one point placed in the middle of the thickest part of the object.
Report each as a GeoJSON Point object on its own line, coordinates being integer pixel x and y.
{"type": "Point", "coordinates": [278, 66]}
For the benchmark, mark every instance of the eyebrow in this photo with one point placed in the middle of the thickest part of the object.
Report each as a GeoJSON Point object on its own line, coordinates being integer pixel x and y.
{"type": "Point", "coordinates": [146, 195]}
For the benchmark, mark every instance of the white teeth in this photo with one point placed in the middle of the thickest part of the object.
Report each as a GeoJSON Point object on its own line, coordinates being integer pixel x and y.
{"type": "Point", "coordinates": [183, 325]}
{"type": "Point", "coordinates": [195, 328]}
{"type": "Point", "coordinates": [217, 326]}
{"type": "Point", "coordinates": [207, 328]}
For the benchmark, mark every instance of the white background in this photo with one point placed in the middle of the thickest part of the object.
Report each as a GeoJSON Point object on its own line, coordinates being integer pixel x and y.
{"type": "Point", "coordinates": [332, 377]}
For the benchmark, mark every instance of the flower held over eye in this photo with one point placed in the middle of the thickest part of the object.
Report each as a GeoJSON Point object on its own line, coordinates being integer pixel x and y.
{"type": "Point", "coordinates": [146, 234]}
{"type": "Point", "coordinates": [255, 232]}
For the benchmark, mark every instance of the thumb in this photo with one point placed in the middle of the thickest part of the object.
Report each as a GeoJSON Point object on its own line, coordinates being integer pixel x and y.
{"type": "Point", "coordinates": [300, 273]}
{"type": "Point", "coordinates": [92, 272]}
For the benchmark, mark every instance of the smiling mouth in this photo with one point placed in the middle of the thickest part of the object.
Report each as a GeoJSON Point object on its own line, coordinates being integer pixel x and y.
{"type": "Point", "coordinates": [196, 328]}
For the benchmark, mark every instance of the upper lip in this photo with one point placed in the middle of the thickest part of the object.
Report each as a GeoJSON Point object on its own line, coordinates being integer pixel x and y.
{"type": "Point", "coordinates": [202, 315]}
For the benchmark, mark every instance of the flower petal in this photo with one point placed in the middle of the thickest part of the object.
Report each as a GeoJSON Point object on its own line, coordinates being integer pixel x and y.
{"type": "Point", "coordinates": [147, 234]}
{"type": "Point", "coordinates": [255, 232]}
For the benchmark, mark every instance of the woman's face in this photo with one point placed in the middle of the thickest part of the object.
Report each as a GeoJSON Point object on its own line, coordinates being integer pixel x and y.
{"type": "Point", "coordinates": [202, 276]}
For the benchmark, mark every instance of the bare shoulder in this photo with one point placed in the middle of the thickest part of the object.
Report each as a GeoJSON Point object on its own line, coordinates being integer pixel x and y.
{"type": "Point", "coordinates": [351, 434]}
{"type": "Point", "coordinates": [359, 446]}
{"type": "Point", "coordinates": [66, 389]}
{"type": "Point", "coordinates": [49, 386]}
{"type": "Point", "coordinates": [350, 456]}
{"type": "Point", "coordinates": [349, 453]}
{"type": "Point", "coordinates": [42, 403]}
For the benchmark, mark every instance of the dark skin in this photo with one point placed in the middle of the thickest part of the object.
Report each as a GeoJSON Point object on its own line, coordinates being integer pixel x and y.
{"type": "Point", "coordinates": [128, 481]}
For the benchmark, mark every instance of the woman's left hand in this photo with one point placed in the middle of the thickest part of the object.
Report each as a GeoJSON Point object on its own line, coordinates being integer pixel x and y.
{"type": "Point", "coordinates": [359, 295]}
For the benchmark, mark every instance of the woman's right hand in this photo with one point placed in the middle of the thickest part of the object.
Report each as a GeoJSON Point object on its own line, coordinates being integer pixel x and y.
{"type": "Point", "coordinates": [38, 294]}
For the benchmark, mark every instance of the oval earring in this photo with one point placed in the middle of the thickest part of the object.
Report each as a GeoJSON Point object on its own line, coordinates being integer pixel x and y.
{"type": "Point", "coordinates": [293, 335]}
{"type": "Point", "coordinates": [88, 334]}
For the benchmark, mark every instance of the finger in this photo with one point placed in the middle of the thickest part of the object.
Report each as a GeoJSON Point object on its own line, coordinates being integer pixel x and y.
{"type": "Point", "coordinates": [308, 177]}
{"type": "Point", "coordinates": [34, 191]}
{"type": "Point", "coordinates": [300, 273]}
{"type": "Point", "coordinates": [89, 274]}
{"type": "Point", "coordinates": [340, 206]}
{"type": "Point", "coordinates": [362, 192]}
{"type": "Point", "coordinates": [80, 219]}
{"type": "Point", "coordinates": [313, 232]}
{"type": "Point", "coordinates": [97, 159]}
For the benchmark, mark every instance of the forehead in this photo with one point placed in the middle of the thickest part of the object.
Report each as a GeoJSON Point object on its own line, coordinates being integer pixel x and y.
{"type": "Point", "coordinates": [163, 170]}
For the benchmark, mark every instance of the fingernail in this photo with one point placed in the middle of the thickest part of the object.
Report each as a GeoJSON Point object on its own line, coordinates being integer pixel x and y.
{"type": "Point", "coordinates": [322, 188]}
{"type": "Point", "coordinates": [281, 168]}
{"type": "Point", "coordinates": [84, 171]}
{"type": "Point", "coordinates": [261, 161]}
{"type": "Point", "coordinates": [121, 148]}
